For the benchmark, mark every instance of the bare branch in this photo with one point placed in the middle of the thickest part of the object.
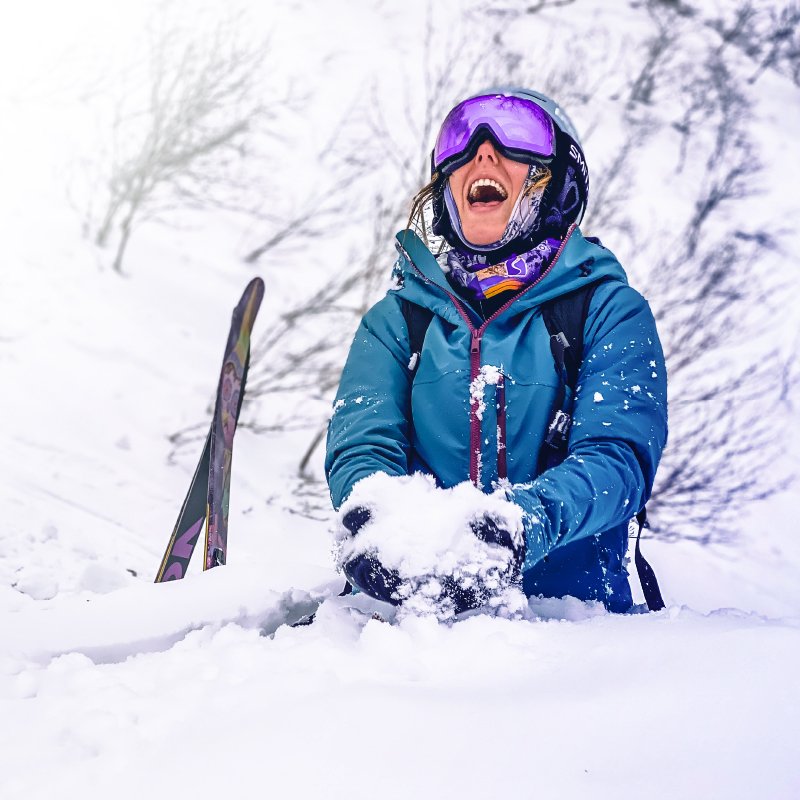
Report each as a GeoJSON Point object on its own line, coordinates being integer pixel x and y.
{"type": "Point", "coordinates": [179, 147]}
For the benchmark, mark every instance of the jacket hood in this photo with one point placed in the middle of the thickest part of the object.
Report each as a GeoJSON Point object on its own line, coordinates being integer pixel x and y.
{"type": "Point", "coordinates": [579, 261]}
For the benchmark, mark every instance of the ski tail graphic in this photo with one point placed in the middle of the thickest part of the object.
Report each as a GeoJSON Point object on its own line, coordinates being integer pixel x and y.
{"type": "Point", "coordinates": [208, 499]}
{"type": "Point", "coordinates": [179, 550]}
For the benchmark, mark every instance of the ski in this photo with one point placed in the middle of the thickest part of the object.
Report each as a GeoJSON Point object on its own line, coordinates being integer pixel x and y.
{"type": "Point", "coordinates": [190, 522]}
{"type": "Point", "coordinates": [226, 414]}
{"type": "Point", "coordinates": [208, 498]}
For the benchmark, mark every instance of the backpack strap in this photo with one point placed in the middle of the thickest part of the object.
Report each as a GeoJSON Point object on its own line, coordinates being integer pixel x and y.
{"type": "Point", "coordinates": [652, 594]}
{"type": "Point", "coordinates": [417, 318]}
{"type": "Point", "coordinates": [565, 319]}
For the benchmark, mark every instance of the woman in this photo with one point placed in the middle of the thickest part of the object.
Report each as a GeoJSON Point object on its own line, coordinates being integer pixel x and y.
{"type": "Point", "coordinates": [509, 186]}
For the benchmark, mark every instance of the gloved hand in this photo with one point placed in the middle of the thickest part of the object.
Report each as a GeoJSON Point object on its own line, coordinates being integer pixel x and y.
{"type": "Point", "coordinates": [487, 529]}
{"type": "Point", "coordinates": [473, 594]}
{"type": "Point", "coordinates": [365, 571]}
{"type": "Point", "coordinates": [356, 518]}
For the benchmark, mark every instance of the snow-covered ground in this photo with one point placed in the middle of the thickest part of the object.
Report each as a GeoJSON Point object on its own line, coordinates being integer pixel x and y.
{"type": "Point", "coordinates": [577, 703]}
{"type": "Point", "coordinates": [112, 686]}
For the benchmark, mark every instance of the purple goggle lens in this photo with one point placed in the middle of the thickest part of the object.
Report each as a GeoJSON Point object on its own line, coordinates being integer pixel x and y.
{"type": "Point", "coordinates": [518, 125]}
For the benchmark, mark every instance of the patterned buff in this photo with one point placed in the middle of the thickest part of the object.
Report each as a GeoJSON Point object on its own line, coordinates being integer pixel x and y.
{"type": "Point", "coordinates": [473, 273]}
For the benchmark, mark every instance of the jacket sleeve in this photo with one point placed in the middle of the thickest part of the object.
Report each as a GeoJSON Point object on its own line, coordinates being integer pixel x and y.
{"type": "Point", "coordinates": [369, 429]}
{"type": "Point", "coordinates": [618, 433]}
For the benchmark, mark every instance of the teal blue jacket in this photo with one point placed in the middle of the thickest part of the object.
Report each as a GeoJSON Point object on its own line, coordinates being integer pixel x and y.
{"type": "Point", "coordinates": [576, 513]}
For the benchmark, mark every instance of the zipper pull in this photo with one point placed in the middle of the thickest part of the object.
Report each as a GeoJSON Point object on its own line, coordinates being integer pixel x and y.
{"type": "Point", "coordinates": [475, 346]}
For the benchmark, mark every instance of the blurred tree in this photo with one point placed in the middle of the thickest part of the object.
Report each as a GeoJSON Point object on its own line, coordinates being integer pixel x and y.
{"type": "Point", "coordinates": [181, 130]}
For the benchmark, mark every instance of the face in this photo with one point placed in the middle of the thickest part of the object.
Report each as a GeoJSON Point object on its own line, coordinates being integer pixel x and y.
{"type": "Point", "coordinates": [485, 191]}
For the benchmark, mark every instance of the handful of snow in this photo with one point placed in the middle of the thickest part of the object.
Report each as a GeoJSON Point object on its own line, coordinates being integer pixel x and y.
{"type": "Point", "coordinates": [426, 535]}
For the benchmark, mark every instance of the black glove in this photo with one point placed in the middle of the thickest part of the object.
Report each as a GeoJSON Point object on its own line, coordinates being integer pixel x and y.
{"type": "Point", "coordinates": [476, 594]}
{"type": "Point", "coordinates": [356, 518]}
{"type": "Point", "coordinates": [487, 530]}
{"type": "Point", "coordinates": [365, 571]}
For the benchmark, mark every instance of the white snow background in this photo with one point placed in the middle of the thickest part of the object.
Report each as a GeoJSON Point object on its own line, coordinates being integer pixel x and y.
{"type": "Point", "coordinates": [111, 686]}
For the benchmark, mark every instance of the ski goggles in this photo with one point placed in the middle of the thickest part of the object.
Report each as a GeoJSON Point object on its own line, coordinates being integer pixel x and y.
{"type": "Point", "coordinates": [520, 128]}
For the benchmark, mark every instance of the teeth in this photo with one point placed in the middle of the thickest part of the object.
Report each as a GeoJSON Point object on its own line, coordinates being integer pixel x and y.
{"type": "Point", "coordinates": [487, 182]}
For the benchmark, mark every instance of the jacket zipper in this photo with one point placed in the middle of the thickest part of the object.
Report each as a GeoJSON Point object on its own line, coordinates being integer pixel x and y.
{"type": "Point", "coordinates": [475, 360]}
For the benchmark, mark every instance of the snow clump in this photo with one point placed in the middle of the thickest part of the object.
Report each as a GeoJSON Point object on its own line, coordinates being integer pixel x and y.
{"type": "Point", "coordinates": [424, 533]}
{"type": "Point", "coordinates": [488, 376]}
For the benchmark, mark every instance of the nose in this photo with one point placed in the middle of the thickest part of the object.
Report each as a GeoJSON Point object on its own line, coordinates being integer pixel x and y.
{"type": "Point", "coordinates": [486, 152]}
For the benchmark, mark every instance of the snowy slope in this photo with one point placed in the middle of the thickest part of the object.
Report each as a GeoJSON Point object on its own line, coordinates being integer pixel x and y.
{"type": "Point", "coordinates": [581, 705]}
{"type": "Point", "coordinates": [113, 686]}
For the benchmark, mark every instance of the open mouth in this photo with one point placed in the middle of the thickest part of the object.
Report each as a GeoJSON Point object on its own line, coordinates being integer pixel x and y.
{"type": "Point", "coordinates": [485, 190]}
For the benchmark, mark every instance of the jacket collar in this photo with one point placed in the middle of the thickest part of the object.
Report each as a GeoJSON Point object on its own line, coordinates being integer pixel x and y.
{"type": "Point", "coordinates": [580, 261]}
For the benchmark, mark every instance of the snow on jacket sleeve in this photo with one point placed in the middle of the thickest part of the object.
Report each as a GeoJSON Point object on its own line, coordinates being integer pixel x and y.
{"type": "Point", "coordinates": [369, 429]}
{"type": "Point", "coordinates": [619, 429]}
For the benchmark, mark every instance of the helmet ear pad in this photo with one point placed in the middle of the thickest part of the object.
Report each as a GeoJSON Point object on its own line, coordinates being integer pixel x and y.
{"type": "Point", "coordinates": [441, 219]}
{"type": "Point", "coordinates": [565, 198]}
